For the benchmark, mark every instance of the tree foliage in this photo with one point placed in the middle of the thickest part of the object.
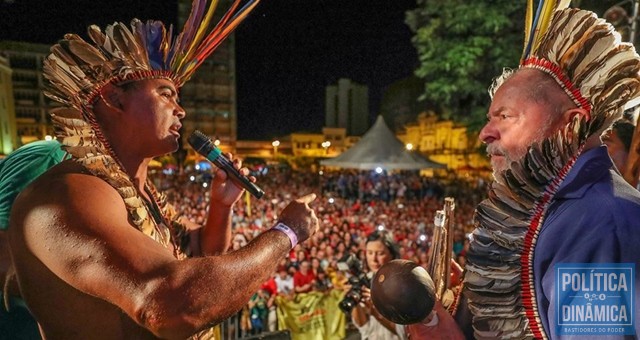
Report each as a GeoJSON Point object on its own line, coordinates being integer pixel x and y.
{"type": "Point", "coordinates": [462, 46]}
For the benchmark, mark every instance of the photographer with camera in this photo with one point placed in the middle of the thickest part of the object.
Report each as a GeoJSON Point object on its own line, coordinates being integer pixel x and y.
{"type": "Point", "coordinates": [380, 249]}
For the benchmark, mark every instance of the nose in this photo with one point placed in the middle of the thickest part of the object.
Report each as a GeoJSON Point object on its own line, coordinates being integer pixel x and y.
{"type": "Point", "coordinates": [489, 133]}
{"type": "Point", "coordinates": [179, 111]}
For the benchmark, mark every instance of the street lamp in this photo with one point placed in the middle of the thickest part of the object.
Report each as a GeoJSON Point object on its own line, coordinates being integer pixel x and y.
{"type": "Point", "coordinates": [409, 146]}
{"type": "Point", "coordinates": [275, 145]}
{"type": "Point", "coordinates": [326, 144]}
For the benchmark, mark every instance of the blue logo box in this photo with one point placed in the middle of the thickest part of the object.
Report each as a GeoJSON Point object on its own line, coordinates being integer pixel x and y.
{"type": "Point", "coordinates": [595, 298]}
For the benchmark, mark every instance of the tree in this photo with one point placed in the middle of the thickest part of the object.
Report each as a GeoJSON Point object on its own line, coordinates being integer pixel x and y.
{"type": "Point", "coordinates": [462, 46]}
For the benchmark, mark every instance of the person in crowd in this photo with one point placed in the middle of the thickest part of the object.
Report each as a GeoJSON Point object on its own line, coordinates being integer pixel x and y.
{"type": "Point", "coordinates": [315, 265]}
{"type": "Point", "coordinates": [259, 306]}
{"type": "Point", "coordinates": [239, 241]}
{"type": "Point", "coordinates": [300, 256]}
{"type": "Point", "coordinates": [380, 249]}
{"type": "Point", "coordinates": [322, 282]}
{"type": "Point", "coordinates": [270, 288]}
{"type": "Point", "coordinates": [304, 279]}
{"type": "Point", "coordinates": [324, 262]}
{"type": "Point", "coordinates": [95, 232]}
{"type": "Point", "coordinates": [18, 170]}
{"type": "Point", "coordinates": [340, 249]}
{"type": "Point", "coordinates": [284, 281]}
{"type": "Point", "coordinates": [618, 142]}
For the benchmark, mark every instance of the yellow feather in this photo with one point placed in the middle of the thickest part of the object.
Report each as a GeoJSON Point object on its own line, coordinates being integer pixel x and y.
{"type": "Point", "coordinates": [543, 23]}
{"type": "Point", "coordinates": [547, 13]}
{"type": "Point", "coordinates": [528, 20]}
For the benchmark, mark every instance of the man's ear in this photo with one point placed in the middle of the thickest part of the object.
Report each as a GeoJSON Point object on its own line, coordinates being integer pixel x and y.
{"type": "Point", "coordinates": [110, 95]}
{"type": "Point", "coordinates": [568, 115]}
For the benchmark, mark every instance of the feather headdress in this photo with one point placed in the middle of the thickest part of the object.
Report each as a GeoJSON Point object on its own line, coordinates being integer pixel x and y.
{"type": "Point", "coordinates": [77, 70]}
{"type": "Point", "coordinates": [586, 57]}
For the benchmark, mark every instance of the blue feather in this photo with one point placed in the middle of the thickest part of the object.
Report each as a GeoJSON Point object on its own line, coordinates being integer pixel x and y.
{"type": "Point", "coordinates": [532, 34]}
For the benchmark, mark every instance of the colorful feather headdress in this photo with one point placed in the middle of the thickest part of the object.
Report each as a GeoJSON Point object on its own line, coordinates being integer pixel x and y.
{"type": "Point", "coordinates": [77, 70]}
{"type": "Point", "coordinates": [586, 57]}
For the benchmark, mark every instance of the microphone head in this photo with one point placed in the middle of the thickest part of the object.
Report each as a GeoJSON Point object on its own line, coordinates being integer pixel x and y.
{"type": "Point", "coordinates": [200, 142]}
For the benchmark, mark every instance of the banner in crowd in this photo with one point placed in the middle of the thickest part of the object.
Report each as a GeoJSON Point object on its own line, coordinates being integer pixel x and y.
{"type": "Point", "coordinates": [311, 316]}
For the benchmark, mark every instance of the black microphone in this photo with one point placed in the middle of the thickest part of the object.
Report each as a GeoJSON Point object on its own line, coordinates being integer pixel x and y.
{"type": "Point", "coordinates": [204, 146]}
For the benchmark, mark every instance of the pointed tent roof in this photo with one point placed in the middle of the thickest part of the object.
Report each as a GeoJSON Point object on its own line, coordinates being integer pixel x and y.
{"type": "Point", "coordinates": [379, 147]}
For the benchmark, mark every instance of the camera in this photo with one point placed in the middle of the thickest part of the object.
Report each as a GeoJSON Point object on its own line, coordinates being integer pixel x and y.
{"type": "Point", "coordinates": [358, 279]}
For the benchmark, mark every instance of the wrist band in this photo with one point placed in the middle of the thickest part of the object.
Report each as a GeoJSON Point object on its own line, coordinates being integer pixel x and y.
{"type": "Point", "coordinates": [287, 231]}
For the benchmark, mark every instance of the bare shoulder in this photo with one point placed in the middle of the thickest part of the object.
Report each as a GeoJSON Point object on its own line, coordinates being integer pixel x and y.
{"type": "Point", "coordinates": [65, 194]}
{"type": "Point", "coordinates": [66, 204]}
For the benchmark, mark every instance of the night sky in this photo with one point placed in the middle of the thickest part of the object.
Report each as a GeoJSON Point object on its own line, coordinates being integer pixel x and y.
{"type": "Point", "coordinates": [287, 50]}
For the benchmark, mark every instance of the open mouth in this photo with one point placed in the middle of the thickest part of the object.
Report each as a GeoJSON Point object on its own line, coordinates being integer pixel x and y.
{"type": "Point", "coordinates": [175, 130]}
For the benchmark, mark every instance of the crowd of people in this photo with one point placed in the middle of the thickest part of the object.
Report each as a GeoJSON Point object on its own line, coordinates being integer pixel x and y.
{"type": "Point", "coordinates": [352, 205]}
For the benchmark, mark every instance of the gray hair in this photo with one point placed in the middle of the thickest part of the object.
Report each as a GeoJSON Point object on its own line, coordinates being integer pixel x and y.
{"type": "Point", "coordinates": [499, 80]}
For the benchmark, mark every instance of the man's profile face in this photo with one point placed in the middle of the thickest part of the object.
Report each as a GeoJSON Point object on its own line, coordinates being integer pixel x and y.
{"type": "Point", "coordinates": [150, 114]}
{"type": "Point", "coordinates": [515, 121]}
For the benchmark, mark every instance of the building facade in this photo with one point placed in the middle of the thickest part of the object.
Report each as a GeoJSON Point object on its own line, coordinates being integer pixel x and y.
{"type": "Point", "coordinates": [8, 131]}
{"type": "Point", "coordinates": [445, 142]}
{"type": "Point", "coordinates": [32, 121]}
{"type": "Point", "coordinates": [347, 107]}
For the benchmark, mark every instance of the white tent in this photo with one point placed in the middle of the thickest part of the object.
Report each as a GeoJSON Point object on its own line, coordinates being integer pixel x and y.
{"type": "Point", "coordinates": [379, 147]}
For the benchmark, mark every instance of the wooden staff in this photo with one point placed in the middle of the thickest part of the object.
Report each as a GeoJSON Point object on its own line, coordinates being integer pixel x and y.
{"type": "Point", "coordinates": [439, 265]}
